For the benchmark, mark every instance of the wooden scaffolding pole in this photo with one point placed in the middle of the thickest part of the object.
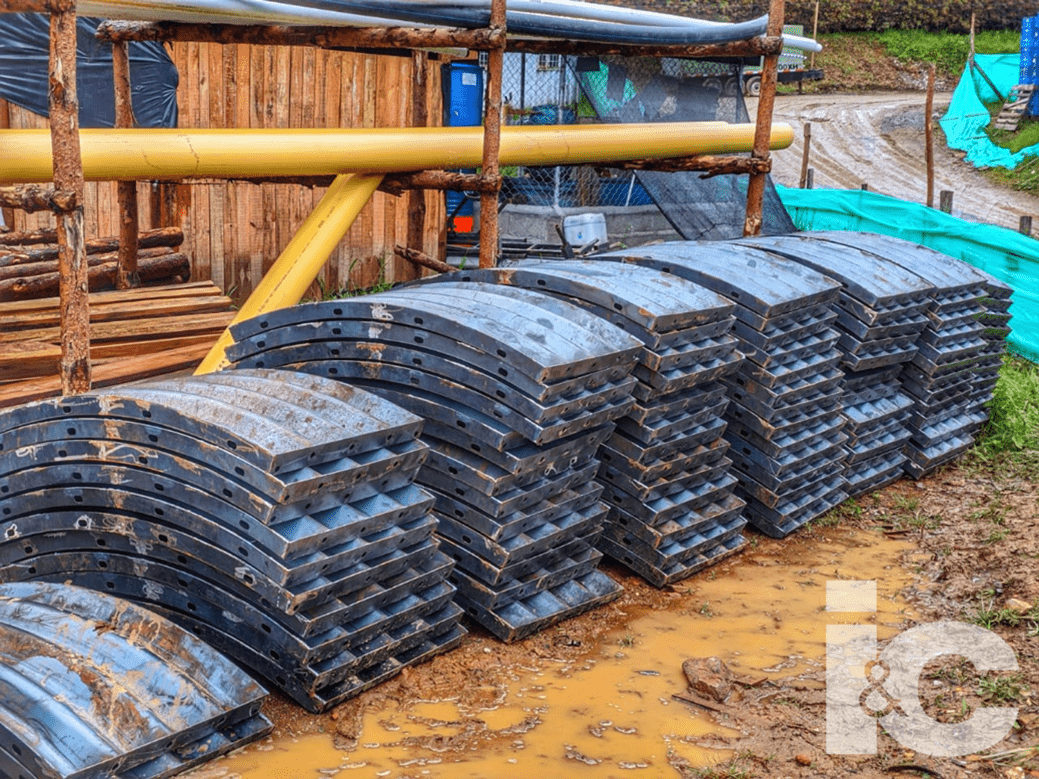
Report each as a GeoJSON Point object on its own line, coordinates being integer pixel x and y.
{"type": "Point", "coordinates": [492, 141]}
{"type": "Point", "coordinates": [68, 177]}
{"type": "Point", "coordinates": [126, 192]}
{"type": "Point", "coordinates": [769, 79]}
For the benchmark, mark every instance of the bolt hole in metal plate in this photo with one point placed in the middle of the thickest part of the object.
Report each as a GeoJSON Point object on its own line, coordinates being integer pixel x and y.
{"type": "Point", "coordinates": [305, 519]}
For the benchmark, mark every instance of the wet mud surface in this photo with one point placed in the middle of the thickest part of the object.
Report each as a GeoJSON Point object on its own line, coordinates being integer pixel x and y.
{"type": "Point", "coordinates": [878, 139]}
{"type": "Point", "coordinates": [595, 696]}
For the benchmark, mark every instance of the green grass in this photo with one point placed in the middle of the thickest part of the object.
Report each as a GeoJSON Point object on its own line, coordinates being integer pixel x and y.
{"type": "Point", "coordinates": [1013, 426]}
{"type": "Point", "coordinates": [946, 50]}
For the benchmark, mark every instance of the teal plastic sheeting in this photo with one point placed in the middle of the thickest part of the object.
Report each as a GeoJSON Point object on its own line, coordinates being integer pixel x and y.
{"type": "Point", "coordinates": [965, 122]}
{"type": "Point", "coordinates": [1010, 257]}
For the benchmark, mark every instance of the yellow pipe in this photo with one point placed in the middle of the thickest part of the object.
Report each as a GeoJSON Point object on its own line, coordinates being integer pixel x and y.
{"type": "Point", "coordinates": [302, 259]}
{"type": "Point", "coordinates": [135, 154]}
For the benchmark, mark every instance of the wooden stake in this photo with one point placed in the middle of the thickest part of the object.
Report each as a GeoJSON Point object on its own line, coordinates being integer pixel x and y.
{"type": "Point", "coordinates": [68, 177]}
{"type": "Point", "coordinates": [929, 136]}
{"type": "Point", "coordinates": [423, 259]}
{"type": "Point", "coordinates": [810, 178]}
{"type": "Point", "coordinates": [805, 150]}
{"type": "Point", "coordinates": [815, 34]}
{"type": "Point", "coordinates": [417, 199]}
{"type": "Point", "coordinates": [756, 185]}
{"type": "Point", "coordinates": [492, 142]}
{"type": "Point", "coordinates": [126, 191]}
{"type": "Point", "coordinates": [1024, 225]}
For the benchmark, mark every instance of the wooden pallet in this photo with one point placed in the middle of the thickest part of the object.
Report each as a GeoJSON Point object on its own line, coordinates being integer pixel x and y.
{"type": "Point", "coordinates": [134, 334]}
{"type": "Point", "coordinates": [1010, 115]}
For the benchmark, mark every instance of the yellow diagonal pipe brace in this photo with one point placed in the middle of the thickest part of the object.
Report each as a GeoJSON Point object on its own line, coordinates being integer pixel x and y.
{"type": "Point", "coordinates": [301, 261]}
{"type": "Point", "coordinates": [148, 154]}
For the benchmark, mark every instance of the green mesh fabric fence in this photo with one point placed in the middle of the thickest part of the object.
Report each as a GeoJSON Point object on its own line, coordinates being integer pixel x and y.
{"type": "Point", "coordinates": [965, 121]}
{"type": "Point", "coordinates": [1011, 257]}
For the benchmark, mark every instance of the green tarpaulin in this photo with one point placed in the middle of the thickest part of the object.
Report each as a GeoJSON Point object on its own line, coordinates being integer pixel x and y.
{"type": "Point", "coordinates": [965, 122]}
{"type": "Point", "coordinates": [1011, 257]}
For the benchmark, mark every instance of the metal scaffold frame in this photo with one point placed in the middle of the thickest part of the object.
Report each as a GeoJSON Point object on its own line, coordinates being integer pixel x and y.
{"type": "Point", "coordinates": [66, 196]}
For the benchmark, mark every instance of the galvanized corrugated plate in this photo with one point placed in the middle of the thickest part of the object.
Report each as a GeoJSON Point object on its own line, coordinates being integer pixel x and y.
{"type": "Point", "coordinates": [94, 685]}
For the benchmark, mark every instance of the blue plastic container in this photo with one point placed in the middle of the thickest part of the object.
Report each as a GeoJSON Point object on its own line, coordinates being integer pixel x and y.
{"type": "Point", "coordinates": [462, 83]}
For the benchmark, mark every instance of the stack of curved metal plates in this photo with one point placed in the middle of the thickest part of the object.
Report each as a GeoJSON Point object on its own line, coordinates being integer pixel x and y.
{"type": "Point", "coordinates": [940, 377]}
{"type": "Point", "coordinates": [273, 514]}
{"type": "Point", "coordinates": [881, 313]}
{"type": "Point", "coordinates": [92, 685]}
{"type": "Point", "coordinates": [518, 390]}
{"type": "Point", "coordinates": [784, 416]}
{"type": "Point", "coordinates": [664, 472]}
{"type": "Point", "coordinates": [996, 321]}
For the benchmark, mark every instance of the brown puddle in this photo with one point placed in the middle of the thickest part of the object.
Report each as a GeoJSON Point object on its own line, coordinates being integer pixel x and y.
{"type": "Point", "coordinates": [611, 713]}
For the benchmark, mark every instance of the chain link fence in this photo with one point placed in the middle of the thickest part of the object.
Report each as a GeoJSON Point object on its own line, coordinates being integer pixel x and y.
{"type": "Point", "coordinates": [560, 89]}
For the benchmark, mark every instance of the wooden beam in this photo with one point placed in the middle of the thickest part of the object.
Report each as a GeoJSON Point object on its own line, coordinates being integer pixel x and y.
{"type": "Point", "coordinates": [372, 38]}
{"type": "Point", "coordinates": [492, 141]}
{"type": "Point", "coordinates": [766, 102]}
{"type": "Point", "coordinates": [68, 177]}
{"type": "Point", "coordinates": [440, 180]}
{"type": "Point", "coordinates": [712, 165]}
{"type": "Point", "coordinates": [754, 47]}
{"type": "Point", "coordinates": [126, 191]}
{"type": "Point", "coordinates": [33, 197]}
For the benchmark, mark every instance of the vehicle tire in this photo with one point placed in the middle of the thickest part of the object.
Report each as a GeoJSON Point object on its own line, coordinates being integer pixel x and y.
{"type": "Point", "coordinates": [752, 86]}
{"type": "Point", "coordinates": [730, 87]}
{"type": "Point", "coordinates": [713, 83]}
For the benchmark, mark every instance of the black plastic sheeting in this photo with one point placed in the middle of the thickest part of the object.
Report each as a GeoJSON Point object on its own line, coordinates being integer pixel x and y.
{"type": "Point", "coordinates": [24, 61]}
{"type": "Point", "coordinates": [643, 89]}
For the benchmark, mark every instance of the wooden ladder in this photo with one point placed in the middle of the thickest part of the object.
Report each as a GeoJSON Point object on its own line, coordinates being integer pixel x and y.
{"type": "Point", "coordinates": [1012, 111]}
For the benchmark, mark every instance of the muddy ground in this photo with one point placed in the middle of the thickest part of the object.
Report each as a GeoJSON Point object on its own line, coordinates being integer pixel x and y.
{"type": "Point", "coordinates": [972, 555]}
{"type": "Point", "coordinates": [877, 139]}
{"type": "Point", "coordinates": [971, 527]}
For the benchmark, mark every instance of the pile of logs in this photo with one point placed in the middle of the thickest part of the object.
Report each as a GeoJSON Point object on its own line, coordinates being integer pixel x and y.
{"type": "Point", "coordinates": [29, 262]}
{"type": "Point", "coordinates": [163, 326]}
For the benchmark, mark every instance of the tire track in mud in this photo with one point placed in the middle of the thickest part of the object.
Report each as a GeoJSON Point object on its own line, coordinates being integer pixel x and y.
{"type": "Point", "coordinates": [878, 139]}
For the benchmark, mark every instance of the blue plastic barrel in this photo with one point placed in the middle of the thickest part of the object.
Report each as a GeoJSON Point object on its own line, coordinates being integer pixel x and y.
{"type": "Point", "coordinates": [463, 94]}
{"type": "Point", "coordinates": [462, 84]}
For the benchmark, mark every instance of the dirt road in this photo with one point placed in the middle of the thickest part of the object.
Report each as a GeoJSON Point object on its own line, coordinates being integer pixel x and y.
{"type": "Point", "coordinates": [878, 139]}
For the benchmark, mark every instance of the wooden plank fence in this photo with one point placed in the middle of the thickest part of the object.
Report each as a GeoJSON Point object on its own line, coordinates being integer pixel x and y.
{"type": "Point", "coordinates": [235, 230]}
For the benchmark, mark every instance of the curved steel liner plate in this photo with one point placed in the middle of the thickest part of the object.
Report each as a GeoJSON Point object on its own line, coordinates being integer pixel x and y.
{"type": "Point", "coordinates": [875, 281]}
{"type": "Point", "coordinates": [543, 345]}
{"type": "Point", "coordinates": [93, 684]}
{"type": "Point", "coordinates": [765, 283]}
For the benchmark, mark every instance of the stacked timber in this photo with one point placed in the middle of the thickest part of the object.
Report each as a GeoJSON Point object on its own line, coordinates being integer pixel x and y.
{"type": "Point", "coordinates": [29, 273]}
{"type": "Point", "coordinates": [880, 317]}
{"type": "Point", "coordinates": [784, 419]}
{"type": "Point", "coordinates": [518, 390]}
{"type": "Point", "coordinates": [664, 470]}
{"type": "Point", "coordinates": [135, 334]}
{"type": "Point", "coordinates": [948, 404]}
{"type": "Point", "coordinates": [272, 514]}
